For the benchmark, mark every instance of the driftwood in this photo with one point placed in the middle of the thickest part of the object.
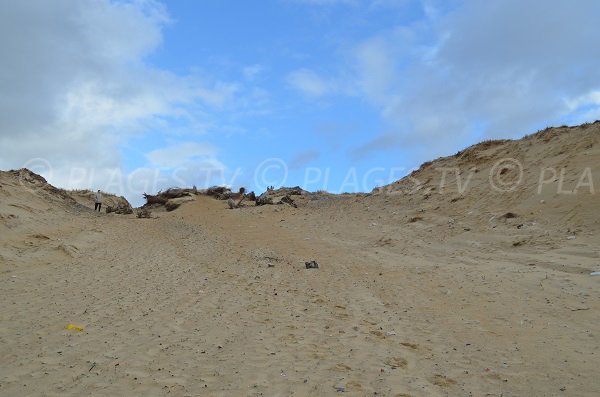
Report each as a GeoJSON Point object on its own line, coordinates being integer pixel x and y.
{"type": "Point", "coordinates": [154, 199]}
{"type": "Point", "coordinates": [240, 196]}
{"type": "Point", "coordinates": [263, 199]}
{"type": "Point", "coordinates": [288, 200]}
{"type": "Point", "coordinates": [176, 193]}
{"type": "Point", "coordinates": [223, 193]}
{"type": "Point", "coordinates": [218, 191]}
{"type": "Point", "coordinates": [280, 196]}
{"type": "Point", "coordinates": [161, 198]}
{"type": "Point", "coordinates": [119, 209]}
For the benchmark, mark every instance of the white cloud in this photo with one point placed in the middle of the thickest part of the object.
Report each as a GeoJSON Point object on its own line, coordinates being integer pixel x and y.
{"type": "Point", "coordinates": [308, 82]}
{"type": "Point", "coordinates": [584, 108]}
{"type": "Point", "coordinates": [219, 94]}
{"type": "Point", "coordinates": [76, 85]}
{"type": "Point", "coordinates": [179, 165]}
{"type": "Point", "coordinates": [375, 63]}
{"type": "Point", "coordinates": [501, 68]}
{"type": "Point", "coordinates": [590, 98]}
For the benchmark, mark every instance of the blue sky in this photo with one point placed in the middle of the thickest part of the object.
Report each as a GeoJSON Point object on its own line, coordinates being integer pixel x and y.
{"type": "Point", "coordinates": [339, 95]}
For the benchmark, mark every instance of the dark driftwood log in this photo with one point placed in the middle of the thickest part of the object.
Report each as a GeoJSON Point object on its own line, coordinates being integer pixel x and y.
{"type": "Point", "coordinates": [217, 191]}
{"type": "Point", "coordinates": [288, 200]}
{"type": "Point", "coordinates": [162, 197]}
{"type": "Point", "coordinates": [176, 193]}
{"type": "Point", "coordinates": [155, 199]}
{"type": "Point", "coordinates": [263, 199]}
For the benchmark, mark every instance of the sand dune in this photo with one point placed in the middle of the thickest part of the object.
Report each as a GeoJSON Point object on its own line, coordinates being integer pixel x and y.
{"type": "Point", "coordinates": [424, 288]}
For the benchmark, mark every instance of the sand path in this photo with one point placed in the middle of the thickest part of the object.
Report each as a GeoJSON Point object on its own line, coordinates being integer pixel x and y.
{"type": "Point", "coordinates": [209, 301]}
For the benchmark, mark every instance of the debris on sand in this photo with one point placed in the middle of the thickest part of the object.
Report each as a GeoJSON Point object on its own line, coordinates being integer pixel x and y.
{"type": "Point", "coordinates": [225, 193]}
{"type": "Point", "coordinates": [509, 215]}
{"type": "Point", "coordinates": [231, 204]}
{"type": "Point", "coordinates": [264, 200]}
{"type": "Point", "coordinates": [218, 192]}
{"type": "Point", "coordinates": [288, 200]}
{"type": "Point", "coordinates": [120, 208]}
{"type": "Point", "coordinates": [235, 200]}
{"type": "Point", "coordinates": [161, 197]}
{"type": "Point", "coordinates": [311, 265]}
{"type": "Point", "coordinates": [173, 198]}
{"type": "Point", "coordinates": [280, 196]}
{"type": "Point", "coordinates": [74, 327]}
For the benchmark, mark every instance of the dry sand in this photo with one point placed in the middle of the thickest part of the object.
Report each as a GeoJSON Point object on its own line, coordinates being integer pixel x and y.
{"type": "Point", "coordinates": [421, 294]}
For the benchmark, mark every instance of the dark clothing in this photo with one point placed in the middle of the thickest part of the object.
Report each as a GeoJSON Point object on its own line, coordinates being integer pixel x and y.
{"type": "Point", "coordinates": [97, 206]}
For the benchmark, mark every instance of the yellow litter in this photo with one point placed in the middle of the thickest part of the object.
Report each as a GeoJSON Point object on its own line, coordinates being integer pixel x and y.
{"type": "Point", "coordinates": [74, 327]}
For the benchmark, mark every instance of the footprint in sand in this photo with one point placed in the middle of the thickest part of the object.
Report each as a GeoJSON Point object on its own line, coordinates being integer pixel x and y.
{"type": "Point", "coordinates": [378, 334]}
{"type": "Point", "coordinates": [340, 367]}
{"type": "Point", "coordinates": [39, 236]}
{"type": "Point", "coordinates": [410, 345]}
{"type": "Point", "coordinates": [383, 241]}
{"type": "Point", "coordinates": [396, 362]}
{"type": "Point", "coordinates": [68, 250]}
{"type": "Point", "coordinates": [442, 381]}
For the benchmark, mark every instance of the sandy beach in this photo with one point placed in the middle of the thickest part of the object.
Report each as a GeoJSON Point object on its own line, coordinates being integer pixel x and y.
{"type": "Point", "coordinates": [420, 294]}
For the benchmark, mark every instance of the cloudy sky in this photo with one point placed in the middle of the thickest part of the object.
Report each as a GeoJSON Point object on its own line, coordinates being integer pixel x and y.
{"type": "Point", "coordinates": [341, 95]}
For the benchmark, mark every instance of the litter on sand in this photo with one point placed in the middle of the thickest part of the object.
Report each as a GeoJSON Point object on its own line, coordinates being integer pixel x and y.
{"type": "Point", "coordinates": [74, 327]}
{"type": "Point", "coordinates": [311, 265]}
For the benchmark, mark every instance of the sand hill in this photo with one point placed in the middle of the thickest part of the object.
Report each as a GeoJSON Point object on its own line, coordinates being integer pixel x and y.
{"type": "Point", "coordinates": [425, 287]}
{"type": "Point", "coordinates": [551, 175]}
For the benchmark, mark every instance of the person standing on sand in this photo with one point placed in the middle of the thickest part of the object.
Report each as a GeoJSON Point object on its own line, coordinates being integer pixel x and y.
{"type": "Point", "coordinates": [98, 201]}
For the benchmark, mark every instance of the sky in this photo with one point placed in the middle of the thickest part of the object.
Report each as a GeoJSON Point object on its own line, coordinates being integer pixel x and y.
{"type": "Point", "coordinates": [338, 95]}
